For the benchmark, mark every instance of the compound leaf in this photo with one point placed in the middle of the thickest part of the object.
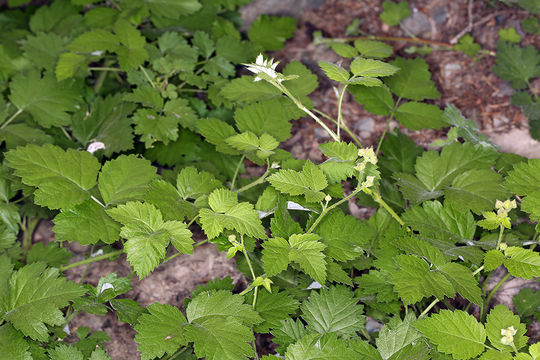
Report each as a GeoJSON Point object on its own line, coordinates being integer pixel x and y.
{"type": "Point", "coordinates": [307, 252]}
{"type": "Point", "coordinates": [413, 80]}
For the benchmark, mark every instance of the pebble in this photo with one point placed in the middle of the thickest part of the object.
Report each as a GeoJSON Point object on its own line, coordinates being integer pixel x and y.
{"type": "Point", "coordinates": [450, 69]}
{"type": "Point", "coordinates": [366, 124]}
{"type": "Point", "coordinates": [320, 133]}
{"type": "Point", "coordinates": [500, 120]}
{"type": "Point", "coordinates": [417, 24]}
{"type": "Point", "coordinates": [439, 14]}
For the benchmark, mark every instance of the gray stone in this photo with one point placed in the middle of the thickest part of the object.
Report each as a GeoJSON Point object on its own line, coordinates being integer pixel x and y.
{"type": "Point", "coordinates": [365, 124]}
{"type": "Point", "coordinates": [450, 69]}
{"type": "Point", "coordinates": [320, 133]}
{"type": "Point", "coordinates": [417, 24]}
{"type": "Point", "coordinates": [293, 8]}
{"type": "Point", "coordinates": [439, 14]}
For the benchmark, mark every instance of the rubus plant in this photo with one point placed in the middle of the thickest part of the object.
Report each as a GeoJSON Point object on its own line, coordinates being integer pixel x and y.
{"type": "Point", "coordinates": [418, 269]}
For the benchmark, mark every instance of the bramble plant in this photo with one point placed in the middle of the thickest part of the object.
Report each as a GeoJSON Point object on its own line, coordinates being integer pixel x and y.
{"type": "Point", "coordinates": [130, 131]}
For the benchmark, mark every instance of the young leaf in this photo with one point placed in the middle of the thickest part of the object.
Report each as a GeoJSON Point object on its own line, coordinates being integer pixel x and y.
{"type": "Point", "coordinates": [307, 252]}
{"type": "Point", "coordinates": [524, 263]}
{"type": "Point", "coordinates": [456, 333]}
{"type": "Point", "coordinates": [333, 311]}
{"type": "Point", "coordinates": [86, 223]}
{"type": "Point", "coordinates": [394, 12]}
{"type": "Point", "coordinates": [264, 117]}
{"type": "Point", "coordinates": [216, 131]}
{"type": "Point", "coordinates": [270, 32]}
{"type": "Point", "coordinates": [34, 298]}
{"type": "Point", "coordinates": [463, 281]}
{"type": "Point", "coordinates": [372, 68]}
{"type": "Point", "coordinates": [413, 80]}
{"type": "Point", "coordinates": [501, 318]}
{"type": "Point", "coordinates": [344, 50]}
{"type": "Point", "coordinates": [525, 177]}
{"type": "Point", "coordinates": [309, 182]}
{"type": "Point", "coordinates": [148, 235]}
{"type": "Point", "coordinates": [227, 213]}
{"type": "Point", "coordinates": [377, 100]}
{"type": "Point", "coordinates": [160, 332]}
{"type": "Point", "coordinates": [131, 53]}
{"type": "Point", "coordinates": [45, 99]}
{"type": "Point", "coordinates": [289, 332]}
{"type": "Point", "coordinates": [373, 49]}
{"type": "Point", "coordinates": [191, 183]}
{"type": "Point", "coordinates": [516, 64]}
{"type": "Point", "coordinates": [416, 116]}
{"type": "Point", "coordinates": [65, 352]}
{"type": "Point", "coordinates": [275, 256]}
{"type": "Point", "coordinates": [334, 72]}
{"type": "Point", "coordinates": [527, 303]}
{"type": "Point", "coordinates": [125, 178]}
{"type": "Point", "coordinates": [63, 178]}
{"type": "Point", "coordinates": [467, 45]}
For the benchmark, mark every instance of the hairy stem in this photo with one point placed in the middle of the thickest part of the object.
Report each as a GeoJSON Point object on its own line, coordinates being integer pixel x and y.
{"type": "Point", "coordinates": [387, 127]}
{"type": "Point", "coordinates": [501, 231]}
{"type": "Point", "coordinates": [92, 259]}
{"type": "Point", "coordinates": [147, 77]}
{"type": "Point", "coordinates": [17, 113]}
{"type": "Point", "coordinates": [256, 182]}
{"type": "Point", "coordinates": [236, 171]}
{"type": "Point", "coordinates": [485, 305]}
{"type": "Point", "coordinates": [340, 113]}
{"type": "Point", "coordinates": [478, 270]}
{"type": "Point", "coordinates": [343, 126]}
{"type": "Point", "coordinates": [379, 200]}
{"type": "Point", "coordinates": [430, 306]}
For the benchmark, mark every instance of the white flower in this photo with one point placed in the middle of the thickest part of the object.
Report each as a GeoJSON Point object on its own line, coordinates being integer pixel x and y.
{"type": "Point", "coordinates": [267, 67]}
{"type": "Point", "coordinates": [95, 146]}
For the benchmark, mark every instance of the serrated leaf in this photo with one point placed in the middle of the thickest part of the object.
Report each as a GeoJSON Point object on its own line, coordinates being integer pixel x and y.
{"type": "Point", "coordinates": [333, 311]}
{"type": "Point", "coordinates": [48, 101]}
{"type": "Point", "coordinates": [275, 256]}
{"type": "Point", "coordinates": [51, 254]}
{"type": "Point", "coordinates": [416, 116]}
{"type": "Point", "coordinates": [216, 131]}
{"type": "Point", "coordinates": [86, 223]}
{"type": "Point", "coordinates": [307, 252]}
{"type": "Point", "coordinates": [414, 280]}
{"type": "Point", "coordinates": [305, 84]}
{"type": "Point", "coordinates": [148, 235]}
{"type": "Point", "coordinates": [524, 263]}
{"type": "Point", "coordinates": [396, 335]}
{"type": "Point", "coordinates": [399, 154]}
{"type": "Point", "coordinates": [233, 49]}
{"type": "Point", "coordinates": [525, 177]}
{"type": "Point", "coordinates": [125, 178]}
{"type": "Point", "coordinates": [273, 308]}
{"type": "Point", "coordinates": [13, 344]}
{"type": "Point", "coordinates": [95, 40]}
{"type": "Point", "coordinates": [394, 12]}
{"type": "Point", "coordinates": [270, 32]}
{"type": "Point", "coordinates": [501, 318]}
{"type": "Point", "coordinates": [517, 65]}
{"type": "Point", "coordinates": [153, 127]}
{"type": "Point", "coordinates": [344, 50]}
{"type": "Point", "coordinates": [466, 129]}
{"type": "Point", "coordinates": [244, 89]}
{"type": "Point", "coordinates": [282, 224]}
{"type": "Point", "coordinates": [99, 354]}
{"type": "Point", "coordinates": [63, 178]}
{"type": "Point", "coordinates": [227, 213]}
{"type": "Point", "coordinates": [467, 45]}
{"type": "Point", "coordinates": [373, 49]}
{"type": "Point", "coordinates": [65, 352]}
{"type": "Point", "coordinates": [191, 183]}
{"type": "Point", "coordinates": [372, 68]}
{"type": "Point", "coordinates": [289, 332]}
{"type": "Point", "coordinates": [493, 259]}
{"type": "Point", "coordinates": [34, 298]}
{"type": "Point", "coordinates": [456, 333]}
{"type": "Point", "coordinates": [463, 281]}
{"type": "Point", "coordinates": [43, 49]}
{"type": "Point", "coordinates": [314, 347]}
{"type": "Point", "coordinates": [309, 182]}
{"type": "Point", "coordinates": [264, 117]}
{"type": "Point", "coordinates": [21, 134]}
{"type": "Point", "coordinates": [527, 303]}
{"type": "Point", "coordinates": [132, 52]}
{"type": "Point", "coordinates": [68, 64]}
{"type": "Point", "coordinates": [160, 332]}
{"type": "Point", "coordinates": [413, 80]}
{"type": "Point", "coordinates": [344, 235]}
{"type": "Point", "coordinates": [333, 71]}
{"type": "Point", "coordinates": [376, 100]}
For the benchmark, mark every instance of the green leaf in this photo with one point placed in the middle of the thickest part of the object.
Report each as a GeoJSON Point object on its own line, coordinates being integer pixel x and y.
{"type": "Point", "coordinates": [509, 35]}
{"type": "Point", "coordinates": [516, 65]}
{"type": "Point", "coordinates": [63, 178]}
{"type": "Point", "coordinates": [68, 64]}
{"type": "Point", "coordinates": [125, 178]}
{"type": "Point", "coordinates": [309, 182]}
{"type": "Point", "coordinates": [334, 72]}
{"type": "Point", "coordinates": [86, 223]}
{"type": "Point", "coordinates": [233, 50]}
{"type": "Point", "coordinates": [527, 303]}
{"type": "Point", "coordinates": [524, 263]}
{"type": "Point", "coordinates": [146, 96]}
{"type": "Point", "coordinates": [466, 129]}
{"type": "Point", "coordinates": [394, 12]}
{"type": "Point", "coordinates": [95, 40]}
{"type": "Point", "coordinates": [273, 308]}
{"type": "Point", "coordinates": [476, 190]}
{"type": "Point", "coordinates": [228, 213]}
{"type": "Point", "coordinates": [399, 154]}
{"type": "Point", "coordinates": [218, 325]}
{"type": "Point", "coordinates": [373, 49]}
{"type": "Point", "coordinates": [148, 235]}
{"type": "Point", "coordinates": [416, 116]}
{"type": "Point", "coordinates": [376, 100]}
{"type": "Point", "coordinates": [264, 117]}
{"type": "Point", "coordinates": [99, 354]}
{"type": "Point", "coordinates": [333, 311]}
{"type": "Point", "coordinates": [289, 332]}
{"type": "Point", "coordinates": [501, 318]}
{"type": "Point", "coordinates": [216, 131]}
{"type": "Point", "coordinates": [414, 280]}
{"type": "Point", "coordinates": [275, 256]}
{"type": "Point", "coordinates": [153, 127]}
{"type": "Point", "coordinates": [270, 32]}
{"type": "Point", "coordinates": [244, 89]}
{"type": "Point", "coordinates": [305, 84]}
{"type": "Point", "coordinates": [173, 9]}
{"type": "Point", "coordinates": [344, 235]}
{"type": "Point", "coordinates": [372, 68]}
{"type": "Point", "coordinates": [467, 45]}
{"type": "Point", "coordinates": [65, 352]}
{"type": "Point", "coordinates": [132, 53]}
{"type": "Point", "coordinates": [397, 335]}
{"type": "Point", "coordinates": [51, 254]}
{"type": "Point", "coordinates": [282, 224]}
{"type": "Point", "coordinates": [21, 134]}
{"type": "Point", "coordinates": [191, 183]}
{"type": "Point", "coordinates": [493, 259]}
{"type": "Point", "coordinates": [463, 281]}
{"type": "Point", "coordinates": [203, 43]}
{"type": "Point", "coordinates": [43, 50]}
{"type": "Point", "coordinates": [307, 252]}
{"type": "Point", "coordinates": [413, 80]}
{"type": "Point", "coordinates": [13, 344]}
{"type": "Point", "coordinates": [456, 333]}
{"type": "Point", "coordinates": [48, 101]}
{"type": "Point", "coordinates": [344, 50]}
{"type": "Point", "coordinates": [525, 177]}
{"type": "Point", "coordinates": [128, 310]}
{"type": "Point", "coordinates": [160, 332]}
{"type": "Point", "coordinates": [34, 298]}
{"type": "Point", "coordinates": [314, 347]}
{"type": "Point", "coordinates": [531, 25]}
{"type": "Point", "coordinates": [531, 205]}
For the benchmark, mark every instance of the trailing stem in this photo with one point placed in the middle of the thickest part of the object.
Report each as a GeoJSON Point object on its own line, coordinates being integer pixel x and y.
{"type": "Point", "coordinates": [379, 200]}
{"type": "Point", "coordinates": [430, 306]}
{"type": "Point", "coordinates": [92, 259]}
{"type": "Point", "coordinates": [258, 181]}
{"type": "Point", "coordinates": [485, 305]}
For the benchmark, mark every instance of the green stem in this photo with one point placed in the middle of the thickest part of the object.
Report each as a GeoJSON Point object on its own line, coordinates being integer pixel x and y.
{"type": "Point", "coordinates": [424, 313]}
{"type": "Point", "coordinates": [478, 270]}
{"type": "Point", "coordinates": [501, 231]}
{"type": "Point", "coordinates": [390, 38]}
{"type": "Point", "coordinates": [29, 228]}
{"type": "Point", "coordinates": [490, 295]}
{"type": "Point", "coordinates": [343, 126]}
{"type": "Point", "coordinates": [236, 171]}
{"type": "Point", "coordinates": [147, 77]}
{"type": "Point", "coordinates": [379, 200]}
{"type": "Point", "coordinates": [254, 304]}
{"type": "Point", "coordinates": [91, 260]}
{"type": "Point", "coordinates": [192, 221]}
{"type": "Point", "coordinates": [387, 126]}
{"type": "Point", "coordinates": [340, 114]}
{"type": "Point", "coordinates": [256, 182]}
{"type": "Point", "coordinates": [331, 207]}
{"type": "Point", "coordinates": [11, 118]}
{"type": "Point", "coordinates": [176, 353]}
{"type": "Point", "coordinates": [104, 68]}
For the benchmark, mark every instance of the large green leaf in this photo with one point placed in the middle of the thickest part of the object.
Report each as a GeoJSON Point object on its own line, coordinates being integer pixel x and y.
{"type": "Point", "coordinates": [413, 80]}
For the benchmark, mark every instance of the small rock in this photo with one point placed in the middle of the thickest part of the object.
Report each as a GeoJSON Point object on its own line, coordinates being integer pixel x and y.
{"type": "Point", "coordinates": [450, 69]}
{"type": "Point", "coordinates": [320, 133]}
{"type": "Point", "coordinates": [439, 14]}
{"type": "Point", "coordinates": [417, 24]}
{"type": "Point", "coordinates": [366, 124]}
{"type": "Point", "coordinates": [504, 90]}
{"type": "Point", "coordinates": [500, 120]}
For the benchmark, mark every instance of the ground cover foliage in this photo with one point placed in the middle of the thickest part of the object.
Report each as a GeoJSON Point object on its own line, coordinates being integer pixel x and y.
{"type": "Point", "coordinates": [125, 122]}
